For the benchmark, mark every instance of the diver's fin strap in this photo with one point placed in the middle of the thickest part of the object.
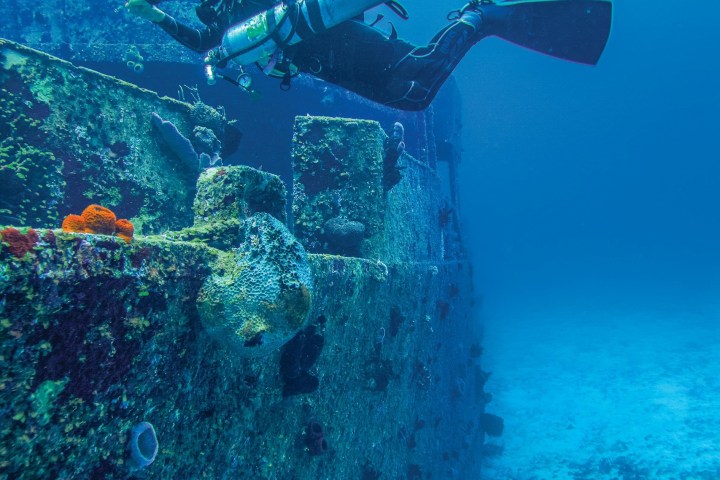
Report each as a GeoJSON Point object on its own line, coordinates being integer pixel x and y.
{"type": "Point", "coordinates": [472, 4]}
{"type": "Point", "coordinates": [398, 9]}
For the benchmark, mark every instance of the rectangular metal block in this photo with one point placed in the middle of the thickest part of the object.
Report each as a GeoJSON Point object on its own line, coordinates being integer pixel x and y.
{"type": "Point", "coordinates": [338, 168]}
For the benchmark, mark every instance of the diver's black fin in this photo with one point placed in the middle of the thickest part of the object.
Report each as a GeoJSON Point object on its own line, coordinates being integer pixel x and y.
{"type": "Point", "coordinates": [575, 30]}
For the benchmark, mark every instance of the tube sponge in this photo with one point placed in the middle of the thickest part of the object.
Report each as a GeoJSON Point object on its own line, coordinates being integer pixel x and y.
{"type": "Point", "coordinates": [178, 143]}
{"type": "Point", "coordinates": [143, 445]}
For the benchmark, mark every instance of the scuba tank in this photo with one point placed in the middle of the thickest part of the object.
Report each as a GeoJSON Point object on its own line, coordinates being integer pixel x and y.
{"type": "Point", "coordinates": [261, 39]}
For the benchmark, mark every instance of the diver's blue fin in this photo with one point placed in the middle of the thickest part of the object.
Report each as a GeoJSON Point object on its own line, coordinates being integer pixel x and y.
{"type": "Point", "coordinates": [575, 30]}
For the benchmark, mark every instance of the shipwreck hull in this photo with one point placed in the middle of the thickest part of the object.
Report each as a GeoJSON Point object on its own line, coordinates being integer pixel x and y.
{"type": "Point", "coordinates": [102, 340]}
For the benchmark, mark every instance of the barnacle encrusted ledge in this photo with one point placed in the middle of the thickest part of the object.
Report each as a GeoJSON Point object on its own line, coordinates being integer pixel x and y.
{"type": "Point", "coordinates": [227, 195]}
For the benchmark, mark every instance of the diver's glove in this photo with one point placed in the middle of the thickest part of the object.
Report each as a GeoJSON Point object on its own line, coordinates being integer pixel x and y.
{"type": "Point", "coordinates": [144, 10]}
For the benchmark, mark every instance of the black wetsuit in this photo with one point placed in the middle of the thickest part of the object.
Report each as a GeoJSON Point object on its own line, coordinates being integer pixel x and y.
{"type": "Point", "coordinates": [353, 55]}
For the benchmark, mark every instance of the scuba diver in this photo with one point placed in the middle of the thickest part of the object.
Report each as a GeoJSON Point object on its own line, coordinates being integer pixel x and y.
{"type": "Point", "coordinates": [329, 39]}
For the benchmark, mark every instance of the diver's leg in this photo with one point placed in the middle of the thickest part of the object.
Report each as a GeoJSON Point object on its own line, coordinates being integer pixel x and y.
{"type": "Point", "coordinates": [574, 30]}
{"type": "Point", "coordinates": [418, 75]}
{"type": "Point", "coordinates": [391, 71]}
{"type": "Point", "coordinates": [396, 73]}
{"type": "Point", "coordinates": [352, 55]}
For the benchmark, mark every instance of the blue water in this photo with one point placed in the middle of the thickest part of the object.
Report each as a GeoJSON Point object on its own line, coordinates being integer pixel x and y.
{"type": "Point", "coordinates": [600, 180]}
{"type": "Point", "coordinates": [590, 197]}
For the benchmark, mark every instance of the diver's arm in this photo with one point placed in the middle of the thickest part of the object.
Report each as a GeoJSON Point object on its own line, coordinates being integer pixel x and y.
{"type": "Point", "coordinates": [193, 38]}
{"type": "Point", "coordinates": [199, 40]}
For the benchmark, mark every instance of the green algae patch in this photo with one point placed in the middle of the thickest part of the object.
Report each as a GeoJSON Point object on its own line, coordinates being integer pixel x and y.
{"type": "Point", "coordinates": [225, 197]}
{"type": "Point", "coordinates": [43, 398]}
{"type": "Point", "coordinates": [223, 234]}
{"type": "Point", "coordinates": [31, 175]}
{"type": "Point", "coordinates": [237, 192]}
{"type": "Point", "coordinates": [12, 59]}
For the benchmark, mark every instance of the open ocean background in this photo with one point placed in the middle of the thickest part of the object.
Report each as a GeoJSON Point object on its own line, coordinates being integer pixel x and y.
{"type": "Point", "coordinates": [591, 199]}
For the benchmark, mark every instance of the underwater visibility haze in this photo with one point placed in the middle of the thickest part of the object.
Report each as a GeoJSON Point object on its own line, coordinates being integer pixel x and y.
{"type": "Point", "coordinates": [314, 276]}
{"type": "Point", "coordinates": [590, 199]}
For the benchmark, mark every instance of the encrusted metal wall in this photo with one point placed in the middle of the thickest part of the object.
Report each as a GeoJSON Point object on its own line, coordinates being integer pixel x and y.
{"type": "Point", "coordinates": [71, 137]}
{"type": "Point", "coordinates": [98, 335]}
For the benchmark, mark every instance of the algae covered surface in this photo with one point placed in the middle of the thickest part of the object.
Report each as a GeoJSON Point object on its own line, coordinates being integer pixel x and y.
{"type": "Point", "coordinates": [117, 340]}
{"type": "Point", "coordinates": [77, 314]}
{"type": "Point", "coordinates": [242, 331]}
{"type": "Point", "coordinates": [73, 137]}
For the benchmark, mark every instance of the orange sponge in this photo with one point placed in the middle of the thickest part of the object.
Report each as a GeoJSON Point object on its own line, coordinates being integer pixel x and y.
{"type": "Point", "coordinates": [125, 229]}
{"type": "Point", "coordinates": [74, 223]}
{"type": "Point", "coordinates": [99, 220]}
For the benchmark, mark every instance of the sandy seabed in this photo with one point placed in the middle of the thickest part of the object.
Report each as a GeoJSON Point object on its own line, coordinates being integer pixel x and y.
{"type": "Point", "coordinates": [605, 394]}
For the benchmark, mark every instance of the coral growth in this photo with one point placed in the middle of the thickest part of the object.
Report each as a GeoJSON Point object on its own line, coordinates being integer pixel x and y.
{"type": "Point", "coordinates": [74, 223]}
{"type": "Point", "coordinates": [18, 243]}
{"type": "Point", "coordinates": [70, 134]}
{"type": "Point", "coordinates": [238, 192]}
{"type": "Point", "coordinates": [261, 293]}
{"type": "Point", "coordinates": [143, 445]}
{"type": "Point", "coordinates": [125, 229]}
{"type": "Point", "coordinates": [31, 175]}
{"type": "Point", "coordinates": [394, 148]}
{"type": "Point", "coordinates": [338, 174]}
{"type": "Point", "coordinates": [207, 145]}
{"type": "Point", "coordinates": [178, 143]}
{"type": "Point", "coordinates": [99, 220]}
{"type": "Point", "coordinates": [343, 236]}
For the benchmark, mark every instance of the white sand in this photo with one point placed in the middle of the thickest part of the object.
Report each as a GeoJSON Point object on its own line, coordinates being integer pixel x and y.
{"type": "Point", "coordinates": [605, 395]}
